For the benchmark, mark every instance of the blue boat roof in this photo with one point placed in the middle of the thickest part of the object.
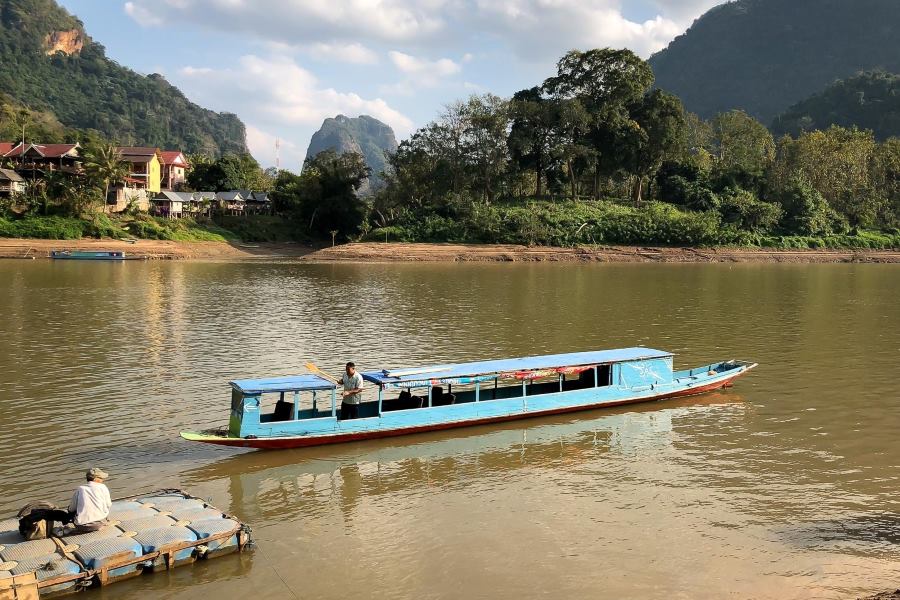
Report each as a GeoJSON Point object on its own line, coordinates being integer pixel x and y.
{"type": "Point", "coordinates": [511, 365]}
{"type": "Point", "coordinates": [290, 383]}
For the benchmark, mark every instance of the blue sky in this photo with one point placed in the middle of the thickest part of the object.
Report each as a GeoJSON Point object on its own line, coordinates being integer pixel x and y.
{"type": "Point", "coordinates": [285, 65]}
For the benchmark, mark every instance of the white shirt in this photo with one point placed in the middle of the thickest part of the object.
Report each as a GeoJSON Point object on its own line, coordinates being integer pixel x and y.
{"type": "Point", "coordinates": [90, 503]}
{"type": "Point", "coordinates": [351, 383]}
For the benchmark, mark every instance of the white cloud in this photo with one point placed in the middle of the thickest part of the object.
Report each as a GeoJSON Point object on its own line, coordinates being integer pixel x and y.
{"type": "Point", "coordinates": [309, 20]}
{"type": "Point", "coordinates": [355, 53]}
{"type": "Point", "coordinates": [281, 98]}
{"type": "Point", "coordinates": [536, 30]}
{"type": "Point", "coordinates": [419, 73]}
{"type": "Point", "coordinates": [143, 15]}
{"type": "Point", "coordinates": [411, 65]}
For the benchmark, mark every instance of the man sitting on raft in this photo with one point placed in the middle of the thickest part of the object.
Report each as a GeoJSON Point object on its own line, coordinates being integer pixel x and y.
{"type": "Point", "coordinates": [91, 502]}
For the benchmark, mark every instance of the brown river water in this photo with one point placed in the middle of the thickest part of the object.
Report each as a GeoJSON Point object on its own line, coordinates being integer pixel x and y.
{"type": "Point", "coordinates": [785, 486]}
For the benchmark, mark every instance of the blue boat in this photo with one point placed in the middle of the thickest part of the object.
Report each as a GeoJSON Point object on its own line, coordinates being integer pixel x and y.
{"type": "Point", "coordinates": [303, 410]}
{"type": "Point", "coordinates": [87, 255]}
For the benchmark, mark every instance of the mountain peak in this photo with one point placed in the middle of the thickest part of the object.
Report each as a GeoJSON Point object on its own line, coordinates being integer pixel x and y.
{"type": "Point", "coordinates": [763, 56]}
{"type": "Point", "coordinates": [364, 135]}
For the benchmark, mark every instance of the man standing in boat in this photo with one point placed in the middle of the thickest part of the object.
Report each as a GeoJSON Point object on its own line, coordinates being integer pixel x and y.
{"type": "Point", "coordinates": [352, 394]}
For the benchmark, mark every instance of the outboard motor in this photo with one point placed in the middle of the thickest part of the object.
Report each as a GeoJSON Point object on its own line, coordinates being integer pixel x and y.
{"type": "Point", "coordinates": [36, 519]}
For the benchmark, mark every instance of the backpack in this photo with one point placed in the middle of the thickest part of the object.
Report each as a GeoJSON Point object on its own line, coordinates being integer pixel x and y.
{"type": "Point", "coordinates": [36, 519]}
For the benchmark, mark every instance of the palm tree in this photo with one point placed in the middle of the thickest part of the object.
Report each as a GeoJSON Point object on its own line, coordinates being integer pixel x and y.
{"type": "Point", "coordinates": [103, 163]}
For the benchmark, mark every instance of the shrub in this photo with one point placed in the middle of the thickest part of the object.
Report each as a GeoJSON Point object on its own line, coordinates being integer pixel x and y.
{"type": "Point", "coordinates": [48, 228]}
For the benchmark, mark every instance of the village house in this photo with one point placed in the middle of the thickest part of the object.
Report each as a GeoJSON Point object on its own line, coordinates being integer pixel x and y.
{"type": "Point", "coordinates": [175, 166]}
{"type": "Point", "coordinates": [175, 205]}
{"type": "Point", "coordinates": [34, 161]}
{"type": "Point", "coordinates": [11, 183]}
{"type": "Point", "coordinates": [146, 166]}
{"type": "Point", "coordinates": [230, 203]}
{"type": "Point", "coordinates": [144, 179]}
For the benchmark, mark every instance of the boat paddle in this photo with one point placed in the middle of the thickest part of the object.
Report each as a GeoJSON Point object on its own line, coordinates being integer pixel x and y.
{"type": "Point", "coordinates": [312, 368]}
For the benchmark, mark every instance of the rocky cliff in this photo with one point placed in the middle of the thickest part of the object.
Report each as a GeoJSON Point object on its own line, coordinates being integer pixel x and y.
{"type": "Point", "coordinates": [364, 135]}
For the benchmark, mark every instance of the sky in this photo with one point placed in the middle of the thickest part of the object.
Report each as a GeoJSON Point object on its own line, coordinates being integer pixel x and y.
{"type": "Point", "coordinates": [283, 66]}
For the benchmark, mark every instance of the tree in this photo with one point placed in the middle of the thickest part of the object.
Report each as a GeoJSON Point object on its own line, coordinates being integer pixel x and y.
{"type": "Point", "coordinates": [606, 83]}
{"type": "Point", "coordinates": [226, 173]}
{"type": "Point", "coordinates": [886, 180]}
{"type": "Point", "coordinates": [741, 143]}
{"type": "Point", "coordinates": [104, 165]}
{"type": "Point", "coordinates": [836, 163]}
{"type": "Point", "coordinates": [328, 192]}
{"type": "Point", "coordinates": [486, 131]}
{"type": "Point", "coordinates": [657, 130]}
{"type": "Point", "coordinates": [806, 211]}
{"type": "Point", "coordinates": [533, 134]}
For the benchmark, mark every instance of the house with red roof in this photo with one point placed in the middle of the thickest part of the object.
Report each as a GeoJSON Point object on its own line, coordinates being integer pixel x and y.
{"type": "Point", "coordinates": [34, 161]}
{"type": "Point", "coordinates": [174, 169]}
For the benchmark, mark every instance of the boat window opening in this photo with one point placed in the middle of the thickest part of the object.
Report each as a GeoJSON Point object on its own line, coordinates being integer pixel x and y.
{"type": "Point", "coordinates": [279, 406]}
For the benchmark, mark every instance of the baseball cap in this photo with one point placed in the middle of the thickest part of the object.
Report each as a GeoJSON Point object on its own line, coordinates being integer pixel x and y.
{"type": "Point", "coordinates": [97, 473]}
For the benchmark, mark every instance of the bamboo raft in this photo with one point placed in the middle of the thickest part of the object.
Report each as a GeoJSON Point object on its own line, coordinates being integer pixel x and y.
{"type": "Point", "coordinates": [147, 533]}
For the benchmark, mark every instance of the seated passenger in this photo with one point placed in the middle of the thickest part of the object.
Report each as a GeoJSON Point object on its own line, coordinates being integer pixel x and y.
{"type": "Point", "coordinates": [91, 503]}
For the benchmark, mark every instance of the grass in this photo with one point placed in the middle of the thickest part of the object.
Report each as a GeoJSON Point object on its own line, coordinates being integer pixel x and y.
{"type": "Point", "coordinates": [116, 227]}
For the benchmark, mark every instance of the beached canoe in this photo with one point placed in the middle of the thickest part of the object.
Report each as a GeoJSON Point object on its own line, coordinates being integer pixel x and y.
{"type": "Point", "coordinates": [87, 255]}
{"type": "Point", "coordinates": [303, 410]}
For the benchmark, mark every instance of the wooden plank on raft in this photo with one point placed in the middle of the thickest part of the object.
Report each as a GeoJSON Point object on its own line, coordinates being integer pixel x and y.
{"type": "Point", "coordinates": [19, 587]}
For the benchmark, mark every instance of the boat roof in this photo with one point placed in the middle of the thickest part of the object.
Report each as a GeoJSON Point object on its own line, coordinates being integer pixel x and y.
{"type": "Point", "coordinates": [512, 365]}
{"type": "Point", "coordinates": [289, 383]}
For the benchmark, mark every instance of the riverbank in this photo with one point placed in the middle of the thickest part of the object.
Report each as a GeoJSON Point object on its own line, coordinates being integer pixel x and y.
{"type": "Point", "coordinates": [370, 252]}
{"type": "Point", "coordinates": [155, 249]}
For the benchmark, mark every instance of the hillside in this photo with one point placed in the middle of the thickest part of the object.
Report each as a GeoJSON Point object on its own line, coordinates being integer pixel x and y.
{"type": "Point", "coordinates": [49, 64]}
{"type": "Point", "coordinates": [764, 56]}
{"type": "Point", "coordinates": [365, 135]}
{"type": "Point", "coordinates": [867, 101]}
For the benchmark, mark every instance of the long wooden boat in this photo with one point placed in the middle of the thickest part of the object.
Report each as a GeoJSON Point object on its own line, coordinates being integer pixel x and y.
{"type": "Point", "coordinates": [298, 411]}
{"type": "Point", "coordinates": [87, 255]}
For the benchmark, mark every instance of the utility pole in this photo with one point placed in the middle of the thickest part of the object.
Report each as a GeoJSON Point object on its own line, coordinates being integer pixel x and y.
{"type": "Point", "coordinates": [277, 154]}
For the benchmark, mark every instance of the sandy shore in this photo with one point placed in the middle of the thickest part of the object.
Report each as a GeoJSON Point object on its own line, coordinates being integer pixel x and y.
{"type": "Point", "coordinates": [153, 249]}
{"type": "Point", "coordinates": [400, 252]}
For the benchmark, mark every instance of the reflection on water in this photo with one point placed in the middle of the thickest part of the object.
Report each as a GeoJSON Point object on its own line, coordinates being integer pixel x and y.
{"type": "Point", "coordinates": [783, 487]}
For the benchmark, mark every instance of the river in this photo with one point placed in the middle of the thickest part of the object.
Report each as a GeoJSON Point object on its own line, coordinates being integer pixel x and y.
{"type": "Point", "coordinates": [783, 487]}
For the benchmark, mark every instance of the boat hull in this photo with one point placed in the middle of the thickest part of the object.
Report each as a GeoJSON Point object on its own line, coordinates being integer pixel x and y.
{"type": "Point", "coordinates": [87, 255]}
{"type": "Point", "coordinates": [287, 442]}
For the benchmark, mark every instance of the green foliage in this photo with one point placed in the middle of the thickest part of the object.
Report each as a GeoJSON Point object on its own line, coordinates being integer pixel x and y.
{"type": "Point", "coordinates": [564, 224]}
{"type": "Point", "coordinates": [48, 228]}
{"type": "Point", "coordinates": [87, 90]}
{"type": "Point", "coordinates": [868, 101]}
{"type": "Point", "coordinates": [39, 125]}
{"type": "Point", "coordinates": [837, 163]}
{"type": "Point", "coordinates": [806, 211]}
{"type": "Point", "coordinates": [763, 56]}
{"type": "Point", "coordinates": [262, 228]}
{"type": "Point", "coordinates": [177, 230]}
{"type": "Point", "coordinates": [325, 198]}
{"type": "Point", "coordinates": [226, 173]}
{"type": "Point", "coordinates": [742, 209]}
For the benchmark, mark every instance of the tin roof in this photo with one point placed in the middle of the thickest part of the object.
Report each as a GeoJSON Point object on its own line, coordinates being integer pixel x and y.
{"type": "Point", "coordinates": [290, 383]}
{"type": "Point", "coordinates": [512, 365]}
{"type": "Point", "coordinates": [45, 150]}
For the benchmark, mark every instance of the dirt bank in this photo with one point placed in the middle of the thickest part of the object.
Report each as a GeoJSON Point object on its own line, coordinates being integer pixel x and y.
{"type": "Point", "coordinates": [884, 596]}
{"type": "Point", "coordinates": [153, 249]}
{"type": "Point", "coordinates": [375, 252]}
{"type": "Point", "coordinates": [398, 252]}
